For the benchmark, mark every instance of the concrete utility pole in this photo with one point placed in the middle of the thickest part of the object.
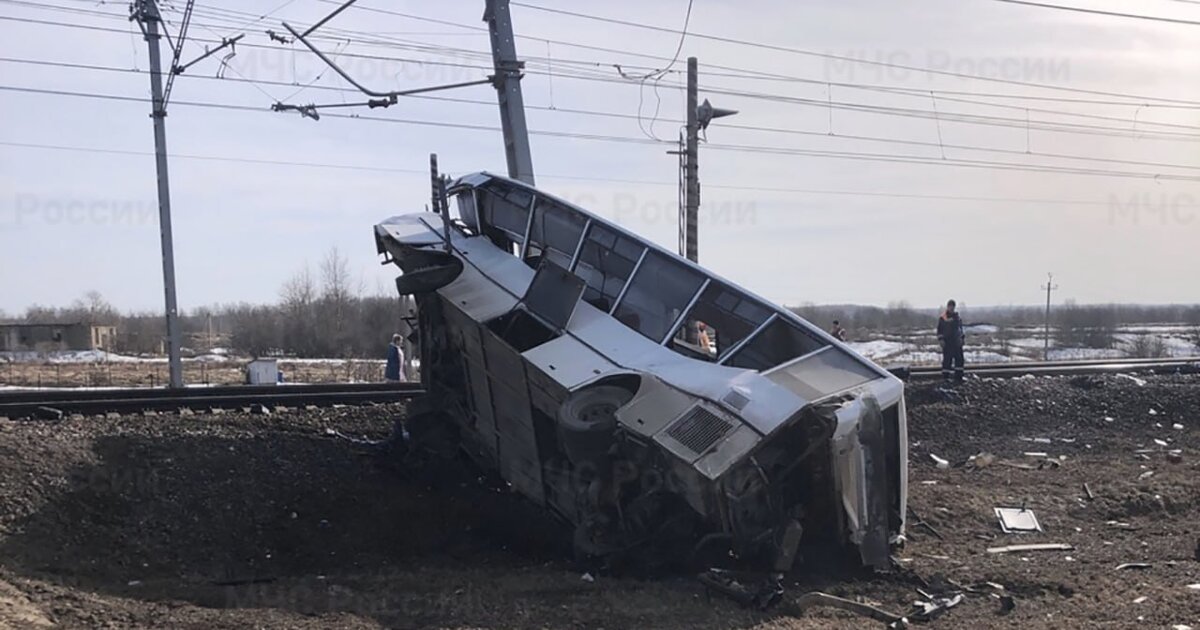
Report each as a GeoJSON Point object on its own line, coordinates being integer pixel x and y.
{"type": "Point", "coordinates": [147, 14]}
{"type": "Point", "coordinates": [1049, 286]}
{"type": "Point", "coordinates": [691, 168]}
{"type": "Point", "coordinates": [699, 115]}
{"type": "Point", "coordinates": [508, 90]}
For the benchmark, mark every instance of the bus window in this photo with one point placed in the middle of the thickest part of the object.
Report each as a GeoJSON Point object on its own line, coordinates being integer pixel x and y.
{"type": "Point", "coordinates": [605, 263]}
{"type": "Point", "coordinates": [555, 233]}
{"type": "Point", "coordinates": [780, 342]}
{"type": "Point", "coordinates": [658, 292]}
{"type": "Point", "coordinates": [722, 317]}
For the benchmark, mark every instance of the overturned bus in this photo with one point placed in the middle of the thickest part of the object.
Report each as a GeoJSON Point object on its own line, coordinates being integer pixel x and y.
{"type": "Point", "coordinates": [644, 400]}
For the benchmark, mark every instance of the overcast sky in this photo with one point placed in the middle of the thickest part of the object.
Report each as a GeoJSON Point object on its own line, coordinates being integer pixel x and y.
{"type": "Point", "coordinates": [794, 228]}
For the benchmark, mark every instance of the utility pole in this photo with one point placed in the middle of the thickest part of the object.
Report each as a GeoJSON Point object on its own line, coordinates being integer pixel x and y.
{"type": "Point", "coordinates": [691, 169]}
{"type": "Point", "coordinates": [508, 90]}
{"type": "Point", "coordinates": [699, 115]}
{"type": "Point", "coordinates": [1048, 287]}
{"type": "Point", "coordinates": [146, 13]}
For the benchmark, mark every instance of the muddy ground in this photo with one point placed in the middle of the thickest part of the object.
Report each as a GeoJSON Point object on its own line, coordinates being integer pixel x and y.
{"type": "Point", "coordinates": [249, 521]}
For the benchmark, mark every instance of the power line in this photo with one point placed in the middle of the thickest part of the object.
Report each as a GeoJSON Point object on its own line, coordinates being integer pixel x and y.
{"type": "Point", "coordinates": [770, 150]}
{"type": "Point", "coordinates": [371, 168]}
{"type": "Point", "coordinates": [1137, 100]}
{"type": "Point", "coordinates": [1025, 123]}
{"type": "Point", "coordinates": [1059, 7]}
{"type": "Point", "coordinates": [739, 73]}
{"type": "Point", "coordinates": [813, 53]}
{"type": "Point", "coordinates": [604, 114]}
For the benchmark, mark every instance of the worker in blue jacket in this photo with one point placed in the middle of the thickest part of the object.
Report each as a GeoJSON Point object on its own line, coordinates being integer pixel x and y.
{"type": "Point", "coordinates": [952, 337]}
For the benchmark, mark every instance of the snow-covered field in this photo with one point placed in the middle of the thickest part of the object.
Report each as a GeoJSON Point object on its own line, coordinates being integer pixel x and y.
{"type": "Point", "coordinates": [988, 343]}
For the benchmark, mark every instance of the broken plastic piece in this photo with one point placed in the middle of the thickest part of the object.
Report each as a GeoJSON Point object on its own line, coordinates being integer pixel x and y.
{"type": "Point", "coordinates": [1015, 520]}
{"type": "Point", "coordinates": [1036, 547]}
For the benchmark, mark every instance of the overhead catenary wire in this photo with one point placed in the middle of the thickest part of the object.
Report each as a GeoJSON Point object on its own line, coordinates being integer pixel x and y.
{"type": "Point", "coordinates": [772, 150]}
{"type": "Point", "coordinates": [1135, 16]}
{"type": "Point", "coordinates": [618, 115]}
{"type": "Point", "coordinates": [714, 185]}
{"type": "Point", "coordinates": [812, 53]}
{"type": "Point", "coordinates": [1022, 123]}
{"type": "Point", "coordinates": [752, 74]}
{"type": "Point", "coordinates": [738, 73]}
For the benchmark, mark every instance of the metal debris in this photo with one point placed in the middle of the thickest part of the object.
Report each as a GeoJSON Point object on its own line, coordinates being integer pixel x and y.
{"type": "Point", "coordinates": [1016, 520]}
{"type": "Point", "coordinates": [927, 611]}
{"type": "Point", "coordinates": [941, 463]}
{"type": "Point", "coordinates": [740, 587]}
{"type": "Point", "coordinates": [1035, 547]}
{"type": "Point", "coordinates": [814, 599]}
{"type": "Point", "coordinates": [1088, 491]}
{"type": "Point", "coordinates": [1133, 565]}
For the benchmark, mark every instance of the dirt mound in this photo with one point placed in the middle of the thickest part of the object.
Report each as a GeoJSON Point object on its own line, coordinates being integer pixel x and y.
{"type": "Point", "coordinates": [16, 611]}
{"type": "Point", "coordinates": [240, 520]}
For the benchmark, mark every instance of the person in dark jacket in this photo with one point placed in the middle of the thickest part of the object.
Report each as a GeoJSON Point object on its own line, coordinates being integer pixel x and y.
{"type": "Point", "coordinates": [952, 337]}
{"type": "Point", "coordinates": [394, 371]}
{"type": "Point", "coordinates": [837, 331]}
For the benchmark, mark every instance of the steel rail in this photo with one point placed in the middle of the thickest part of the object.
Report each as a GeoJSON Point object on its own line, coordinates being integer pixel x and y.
{"type": "Point", "coordinates": [56, 402]}
{"type": "Point", "coordinates": [1184, 365]}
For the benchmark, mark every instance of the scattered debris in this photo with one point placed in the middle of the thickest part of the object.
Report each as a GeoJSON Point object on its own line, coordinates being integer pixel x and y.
{"type": "Point", "coordinates": [1016, 520]}
{"type": "Point", "coordinates": [1088, 491]}
{"type": "Point", "coordinates": [259, 409]}
{"type": "Point", "coordinates": [1133, 565]}
{"type": "Point", "coordinates": [1194, 587]}
{"type": "Point", "coordinates": [1036, 454]}
{"type": "Point", "coordinates": [1140, 599]}
{"type": "Point", "coordinates": [917, 521]}
{"type": "Point", "coordinates": [1162, 443]}
{"type": "Point", "coordinates": [1175, 457]}
{"type": "Point", "coordinates": [48, 413]}
{"type": "Point", "coordinates": [929, 610]}
{"type": "Point", "coordinates": [1140, 382]}
{"type": "Point", "coordinates": [814, 599]}
{"type": "Point", "coordinates": [587, 577]}
{"type": "Point", "coordinates": [939, 462]}
{"type": "Point", "coordinates": [1177, 426]}
{"type": "Point", "coordinates": [1146, 475]}
{"type": "Point", "coordinates": [1153, 411]}
{"type": "Point", "coordinates": [740, 588]}
{"type": "Point", "coordinates": [981, 460]}
{"type": "Point", "coordinates": [1035, 547]}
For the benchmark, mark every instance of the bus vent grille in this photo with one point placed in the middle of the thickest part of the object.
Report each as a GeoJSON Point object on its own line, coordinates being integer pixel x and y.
{"type": "Point", "coordinates": [699, 430]}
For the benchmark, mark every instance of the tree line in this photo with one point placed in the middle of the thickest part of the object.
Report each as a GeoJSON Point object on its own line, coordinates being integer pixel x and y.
{"type": "Point", "coordinates": [318, 314]}
{"type": "Point", "coordinates": [324, 313]}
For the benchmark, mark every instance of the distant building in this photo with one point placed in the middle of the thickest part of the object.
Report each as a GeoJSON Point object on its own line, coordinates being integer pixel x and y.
{"type": "Point", "coordinates": [51, 337]}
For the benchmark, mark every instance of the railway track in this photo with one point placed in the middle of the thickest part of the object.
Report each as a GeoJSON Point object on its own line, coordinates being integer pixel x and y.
{"type": "Point", "coordinates": [1185, 365]}
{"type": "Point", "coordinates": [56, 402]}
